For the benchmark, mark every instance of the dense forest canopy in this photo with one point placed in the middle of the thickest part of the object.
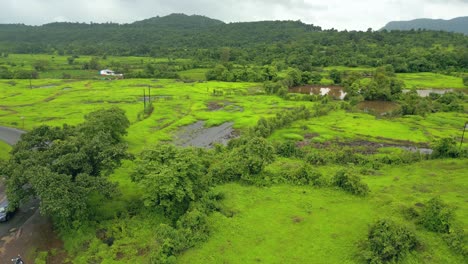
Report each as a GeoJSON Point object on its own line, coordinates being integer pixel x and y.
{"type": "Point", "coordinates": [293, 42]}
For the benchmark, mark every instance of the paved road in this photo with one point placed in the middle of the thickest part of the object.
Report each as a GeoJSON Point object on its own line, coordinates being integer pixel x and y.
{"type": "Point", "coordinates": [10, 135]}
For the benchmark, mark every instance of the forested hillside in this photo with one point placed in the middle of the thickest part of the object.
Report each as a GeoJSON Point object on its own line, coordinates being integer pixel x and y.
{"type": "Point", "coordinates": [459, 24]}
{"type": "Point", "coordinates": [292, 42]}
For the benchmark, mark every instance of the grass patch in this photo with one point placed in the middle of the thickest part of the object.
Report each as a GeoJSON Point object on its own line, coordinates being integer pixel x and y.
{"type": "Point", "coordinates": [430, 80]}
{"type": "Point", "coordinates": [285, 224]}
{"type": "Point", "coordinates": [4, 150]}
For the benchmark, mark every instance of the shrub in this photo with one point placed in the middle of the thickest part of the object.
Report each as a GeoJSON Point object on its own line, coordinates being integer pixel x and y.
{"type": "Point", "coordinates": [169, 242]}
{"type": "Point", "coordinates": [457, 240]}
{"type": "Point", "coordinates": [194, 227]}
{"type": "Point", "coordinates": [465, 80]}
{"type": "Point", "coordinates": [445, 148]}
{"type": "Point", "coordinates": [350, 182]}
{"type": "Point", "coordinates": [388, 241]}
{"type": "Point", "coordinates": [288, 149]}
{"type": "Point", "coordinates": [304, 175]}
{"type": "Point", "coordinates": [317, 157]}
{"type": "Point", "coordinates": [436, 216]}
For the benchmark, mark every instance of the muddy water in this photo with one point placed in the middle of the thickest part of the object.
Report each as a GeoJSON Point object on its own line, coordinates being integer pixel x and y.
{"type": "Point", "coordinates": [336, 92]}
{"type": "Point", "coordinates": [197, 135]}
{"type": "Point", "coordinates": [427, 92]}
{"type": "Point", "coordinates": [426, 151]}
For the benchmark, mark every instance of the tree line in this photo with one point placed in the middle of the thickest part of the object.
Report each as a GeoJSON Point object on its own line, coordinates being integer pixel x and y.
{"type": "Point", "coordinates": [294, 43]}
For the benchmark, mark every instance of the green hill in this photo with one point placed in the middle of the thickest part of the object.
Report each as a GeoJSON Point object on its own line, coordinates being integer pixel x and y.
{"type": "Point", "coordinates": [459, 25]}
{"type": "Point", "coordinates": [180, 21]}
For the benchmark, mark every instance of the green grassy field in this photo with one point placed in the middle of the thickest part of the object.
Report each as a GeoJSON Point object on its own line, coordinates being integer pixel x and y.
{"type": "Point", "coordinates": [4, 150]}
{"type": "Point", "coordinates": [277, 224]}
{"type": "Point", "coordinates": [430, 80]}
{"type": "Point", "coordinates": [341, 125]}
{"type": "Point", "coordinates": [284, 224]}
{"type": "Point", "coordinates": [194, 74]}
{"type": "Point", "coordinates": [176, 104]}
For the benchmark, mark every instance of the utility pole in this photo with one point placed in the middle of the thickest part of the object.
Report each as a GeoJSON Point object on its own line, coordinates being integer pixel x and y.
{"type": "Point", "coordinates": [463, 135]}
{"type": "Point", "coordinates": [149, 94]}
{"type": "Point", "coordinates": [144, 100]}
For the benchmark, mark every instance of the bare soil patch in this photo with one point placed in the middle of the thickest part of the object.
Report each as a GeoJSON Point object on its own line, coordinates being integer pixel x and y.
{"type": "Point", "coordinates": [197, 135]}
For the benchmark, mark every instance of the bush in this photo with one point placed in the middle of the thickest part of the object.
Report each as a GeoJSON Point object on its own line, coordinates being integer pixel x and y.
{"type": "Point", "coordinates": [446, 148]}
{"type": "Point", "coordinates": [458, 241]}
{"type": "Point", "coordinates": [170, 242]}
{"type": "Point", "coordinates": [288, 149]}
{"type": "Point", "coordinates": [317, 157]}
{"type": "Point", "coordinates": [350, 182]}
{"type": "Point", "coordinates": [388, 241]}
{"type": "Point", "coordinates": [304, 175]}
{"type": "Point", "coordinates": [194, 227]}
{"type": "Point", "coordinates": [436, 216]}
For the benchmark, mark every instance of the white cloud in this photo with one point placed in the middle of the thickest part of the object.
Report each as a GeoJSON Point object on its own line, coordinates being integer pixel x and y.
{"type": "Point", "coordinates": [340, 14]}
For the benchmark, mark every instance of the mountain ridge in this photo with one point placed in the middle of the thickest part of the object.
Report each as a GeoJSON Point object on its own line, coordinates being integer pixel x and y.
{"type": "Point", "coordinates": [458, 25]}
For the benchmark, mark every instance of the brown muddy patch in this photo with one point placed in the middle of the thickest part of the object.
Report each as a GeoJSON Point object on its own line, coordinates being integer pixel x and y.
{"type": "Point", "coordinates": [215, 106]}
{"type": "Point", "coordinates": [224, 106]}
{"type": "Point", "coordinates": [297, 219]}
{"type": "Point", "coordinates": [370, 147]}
{"type": "Point", "coordinates": [377, 107]}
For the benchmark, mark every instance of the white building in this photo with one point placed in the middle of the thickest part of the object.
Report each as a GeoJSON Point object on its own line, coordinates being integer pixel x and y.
{"type": "Point", "coordinates": [107, 72]}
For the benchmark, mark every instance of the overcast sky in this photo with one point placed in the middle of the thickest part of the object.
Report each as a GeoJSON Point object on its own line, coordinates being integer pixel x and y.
{"type": "Point", "coordinates": [339, 14]}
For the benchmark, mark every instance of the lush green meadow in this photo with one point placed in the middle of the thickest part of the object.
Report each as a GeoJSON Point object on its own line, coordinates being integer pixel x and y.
{"type": "Point", "coordinates": [284, 224]}
{"type": "Point", "coordinates": [342, 125]}
{"type": "Point", "coordinates": [175, 104]}
{"type": "Point", "coordinates": [273, 224]}
{"type": "Point", "coordinates": [430, 80]}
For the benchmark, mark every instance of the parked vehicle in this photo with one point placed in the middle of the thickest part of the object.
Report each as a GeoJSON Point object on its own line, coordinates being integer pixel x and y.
{"type": "Point", "coordinates": [5, 213]}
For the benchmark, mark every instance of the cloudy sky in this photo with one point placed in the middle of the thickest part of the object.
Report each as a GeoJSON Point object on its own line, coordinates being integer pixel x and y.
{"type": "Point", "coordinates": [339, 14]}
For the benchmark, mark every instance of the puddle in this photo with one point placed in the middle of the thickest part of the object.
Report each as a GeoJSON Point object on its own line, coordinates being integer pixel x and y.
{"type": "Point", "coordinates": [336, 92]}
{"type": "Point", "coordinates": [426, 151]}
{"type": "Point", "coordinates": [197, 135]}
{"type": "Point", "coordinates": [427, 92]}
{"type": "Point", "coordinates": [45, 86]}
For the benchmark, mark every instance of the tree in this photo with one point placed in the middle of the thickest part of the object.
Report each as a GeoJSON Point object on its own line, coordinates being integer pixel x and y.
{"type": "Point", "coordinates": [64, 166]}
{"type": "Point", "coordinates": [295, 76]}
{"type": "Point", "coordinates": [171, 178]}
{"type": "Point", "coordinates": [41, 65]}
{"type": "Point", "coordinates": [71, 60]}
{"type": "Point", "coordinates": [335, 75]}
